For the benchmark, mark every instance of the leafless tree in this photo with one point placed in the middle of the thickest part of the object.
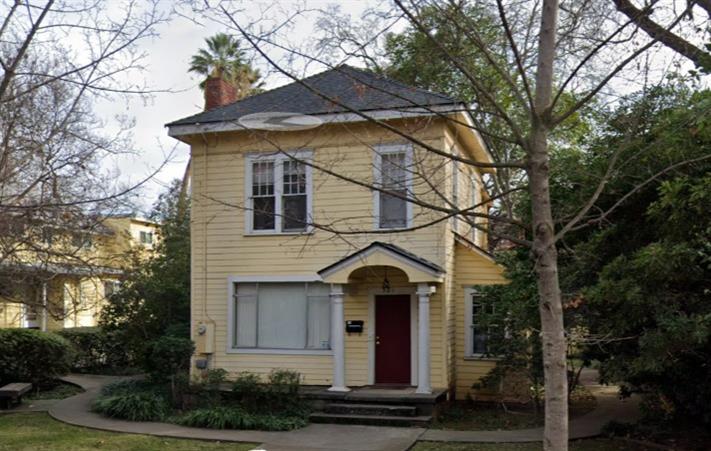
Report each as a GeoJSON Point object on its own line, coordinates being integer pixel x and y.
{"type": "Point", "coordinates": [57, 59]}
{"type": "Point", "coordinates": [556, 58]}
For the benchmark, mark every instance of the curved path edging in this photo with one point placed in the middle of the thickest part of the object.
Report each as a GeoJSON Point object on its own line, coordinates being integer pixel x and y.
{"type": "Point", "coordinates": [76, 410]}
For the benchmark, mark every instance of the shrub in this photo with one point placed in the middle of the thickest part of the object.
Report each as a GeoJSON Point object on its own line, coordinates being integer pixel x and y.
{"type": "Point", "coordinates": [98, 351]}
{"type": "Point", "coordinates": [238, 418]}
{"type": "Point", "coordinates": [279, 394]}
{"type": "Point", "coordinates": [168, 356]}
{"type": "Point", "coordinates": [28, 355]}
{"type": "Point", "coordinates": [140, 406]}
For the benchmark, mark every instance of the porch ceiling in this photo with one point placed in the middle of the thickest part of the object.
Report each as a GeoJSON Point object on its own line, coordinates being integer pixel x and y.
{"type": "Point", "coordinates": [417, 268]}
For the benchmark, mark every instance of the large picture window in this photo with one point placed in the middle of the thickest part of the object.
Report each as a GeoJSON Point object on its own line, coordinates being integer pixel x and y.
{"type": "Point", "coordinates": [279, 193]}
{"type": "Point", "coordinates": [392, 175]}
{"type": "Point", "coordinates": [288, 316]}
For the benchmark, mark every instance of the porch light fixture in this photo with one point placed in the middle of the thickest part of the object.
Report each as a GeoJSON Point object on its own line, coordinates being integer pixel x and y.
{"type": "Point", "coordinates": [386, 282]}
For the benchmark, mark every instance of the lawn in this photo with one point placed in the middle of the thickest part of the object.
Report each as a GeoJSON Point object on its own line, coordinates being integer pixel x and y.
{"type": "Point", "coordinates": [578, 445]}
{"type": "Point", "coordinates": [39, 432]}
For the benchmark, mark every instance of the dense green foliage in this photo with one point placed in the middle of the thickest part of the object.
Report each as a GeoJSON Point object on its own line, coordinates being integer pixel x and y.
{"type": "Point", "coordinates": [280, 393]}
{"type": "Point", "coordinates": [224, 417]}
{"type": "Point", "coordinates": [154, 300]}
{"type": "Point", "coordinates": [169, 356]}
{"type": "Point", "coordinates": [637, 277]}
{"type": "Point", "coordinates": [273, 405]}
{"type": "Point", "coordinates": [28, 355]}
{"type": "Point", "coordinates": [98, 351]}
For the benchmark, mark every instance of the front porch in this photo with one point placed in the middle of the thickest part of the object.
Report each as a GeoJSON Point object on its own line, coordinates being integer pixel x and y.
{"type": "Point", "coordinates": [373, 405]}
{"type": "Point", "coordinates": [397, 287]}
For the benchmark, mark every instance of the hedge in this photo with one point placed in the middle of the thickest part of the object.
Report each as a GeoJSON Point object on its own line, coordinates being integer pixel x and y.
{"type": "Point", "coordinates": [28, 355]}
{"type": "Point", "coordinates": [98, 351]}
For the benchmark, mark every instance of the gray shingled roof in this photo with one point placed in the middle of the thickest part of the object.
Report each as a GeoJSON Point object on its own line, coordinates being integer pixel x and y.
{"type": "Point", "coordinates": [358, 89]}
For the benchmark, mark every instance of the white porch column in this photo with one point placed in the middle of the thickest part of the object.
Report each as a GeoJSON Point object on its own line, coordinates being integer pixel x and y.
{"type": "Point", "coordinates": [423, 338]}
{"type": "Point", "coordinates": [337, 339]}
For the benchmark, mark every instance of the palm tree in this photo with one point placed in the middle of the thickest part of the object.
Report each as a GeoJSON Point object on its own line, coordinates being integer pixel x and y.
{"type": "Point", "coordinates": [224, 59]}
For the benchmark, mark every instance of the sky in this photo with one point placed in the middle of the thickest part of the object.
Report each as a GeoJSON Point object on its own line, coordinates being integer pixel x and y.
{"type": "Point", "coordinates": [168, 59]}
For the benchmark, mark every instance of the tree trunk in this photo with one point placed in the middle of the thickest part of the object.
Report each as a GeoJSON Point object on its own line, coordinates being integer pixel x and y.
{"type": "Point", "coordinates": [550, 307]}
{"type": "Point", "coordinates": [555, 436]}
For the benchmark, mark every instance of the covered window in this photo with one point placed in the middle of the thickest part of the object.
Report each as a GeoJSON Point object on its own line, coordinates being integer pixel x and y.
{"type": "Point", "coordinates": [392, 176]}
{"type": "Point", "coordinates": [279, 193]}
{"type": "Point", "coordinates": [282, 316]}
{"type": "Point", "coordinates": [111, 287]}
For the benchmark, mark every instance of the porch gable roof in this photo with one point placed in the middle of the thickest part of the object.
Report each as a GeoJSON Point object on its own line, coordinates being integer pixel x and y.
{"type": "Point", "coordinates": [418, 269]}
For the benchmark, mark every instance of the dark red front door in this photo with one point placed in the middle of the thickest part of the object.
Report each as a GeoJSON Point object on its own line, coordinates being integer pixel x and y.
{"type": "Point", "coordinates": [392, 339]}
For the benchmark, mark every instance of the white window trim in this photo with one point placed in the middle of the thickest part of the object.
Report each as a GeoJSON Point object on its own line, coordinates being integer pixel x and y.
{"type": "Point", "coordinates": [384, 149]}
{"type": "Point", "coordinates": [231, 281]}
{"type": "Point", "coordinates": [468, 305]}
{"type": "Point", "coordinates": [277, 158]}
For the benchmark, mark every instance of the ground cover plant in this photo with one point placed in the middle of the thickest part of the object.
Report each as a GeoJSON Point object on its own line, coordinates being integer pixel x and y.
{"type": "Point", "coordinates": [54, 390]}
{"type": "Point", "coordinates": [479, 416]}
{"type": "Point", "coordinates": [272, 405]}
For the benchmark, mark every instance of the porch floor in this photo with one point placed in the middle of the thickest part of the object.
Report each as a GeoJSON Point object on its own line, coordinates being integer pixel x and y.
{"type": "Point", "coordinates": [387, 395]}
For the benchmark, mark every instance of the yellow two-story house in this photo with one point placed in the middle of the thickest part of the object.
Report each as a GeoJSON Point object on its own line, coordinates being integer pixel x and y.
{"type": "Point", "coordinates": [323, 239]}
{"type": "Point", "coordinates": [59, 278]}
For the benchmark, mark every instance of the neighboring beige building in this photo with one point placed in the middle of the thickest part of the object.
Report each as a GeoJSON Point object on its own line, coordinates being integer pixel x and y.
{"type": "Point", "coordinates": [274, 287]}
{"type": "Point", "coordinates": [65, 278]}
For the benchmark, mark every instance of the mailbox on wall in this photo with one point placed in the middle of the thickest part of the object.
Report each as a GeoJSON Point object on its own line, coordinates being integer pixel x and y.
{"type": "Point", "coordinates": [354, 326]}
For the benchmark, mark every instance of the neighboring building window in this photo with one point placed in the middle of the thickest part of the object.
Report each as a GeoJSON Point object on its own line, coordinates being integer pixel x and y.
{"type": "Point", "coordinates": [81, 241]}
{"type": "Point", "coordinates": [111, 287]}
{"type": "Point", "coordinates": [392, 176]}
{"type": "Point", "coordinates": [279, 193]}
{"type": "Point", "coordinates": [146, 237]}
{"type": "Point", "coordinates": [282, 316]}
{"type": "Point", "coordinates": [477, 335]}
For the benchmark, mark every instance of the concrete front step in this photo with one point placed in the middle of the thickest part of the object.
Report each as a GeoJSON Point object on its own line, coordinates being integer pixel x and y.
{"type": "Point", "coordinates": [371, 420]}
{"type": "Point", "coordinates": [371, 409]}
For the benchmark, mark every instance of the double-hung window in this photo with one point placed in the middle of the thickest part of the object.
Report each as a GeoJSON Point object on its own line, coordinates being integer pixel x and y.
{"type": "Point", "coordinates": [281, 316]}
{"type": "Point", "coordinates": [476, 334]}
{"type": "Point", "coordinates": [393, 177]}
{"type": "Point", "coordinates": [278, 193]}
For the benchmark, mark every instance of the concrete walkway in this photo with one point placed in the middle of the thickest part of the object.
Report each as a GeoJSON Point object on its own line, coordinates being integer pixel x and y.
{"type": "Point", "coordinates": [321, 437]}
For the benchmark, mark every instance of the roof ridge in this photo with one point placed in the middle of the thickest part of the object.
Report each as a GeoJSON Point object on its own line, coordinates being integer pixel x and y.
{"type": "Point", "coordinates": [401, 84]}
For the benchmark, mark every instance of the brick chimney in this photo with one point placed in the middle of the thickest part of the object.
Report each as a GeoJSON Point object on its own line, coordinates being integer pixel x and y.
{"type": "Point", "coordinates": [218, 93]}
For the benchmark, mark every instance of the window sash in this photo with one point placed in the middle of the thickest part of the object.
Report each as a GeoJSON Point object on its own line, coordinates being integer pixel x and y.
{"type": "Point", "coordinates": [279, 194]}
{"type": "Point", "coordinates": [391, 175]}
{"type": "Point", "coordinates": [258, 321]}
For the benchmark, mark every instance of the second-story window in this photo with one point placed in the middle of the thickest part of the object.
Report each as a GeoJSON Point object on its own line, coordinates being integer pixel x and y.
{"type": "Point", "coordinates": [393, 177]}
{"type": "Point", "coordinates": [146, 237]}
{"type": "Point", "coordinates": [279, 195]}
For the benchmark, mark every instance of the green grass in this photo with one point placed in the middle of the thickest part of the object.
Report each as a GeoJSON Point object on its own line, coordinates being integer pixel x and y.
{"type": "Point", "coordinates": [39, 432]}
{"type": "Point", "coordinates": [576, 445]}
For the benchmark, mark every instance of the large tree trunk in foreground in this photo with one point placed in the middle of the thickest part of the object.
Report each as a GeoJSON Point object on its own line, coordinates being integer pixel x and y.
{"type": "Point", "coordinates": [555, 437]}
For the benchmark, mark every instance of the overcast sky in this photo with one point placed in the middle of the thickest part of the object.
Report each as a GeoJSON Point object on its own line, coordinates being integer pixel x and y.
{"type": "Point", "coordinates": [167, 61]}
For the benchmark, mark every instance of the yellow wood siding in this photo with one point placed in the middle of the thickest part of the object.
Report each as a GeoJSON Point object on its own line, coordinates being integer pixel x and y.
{"type": "Point", "coordinates": [470, 269]}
